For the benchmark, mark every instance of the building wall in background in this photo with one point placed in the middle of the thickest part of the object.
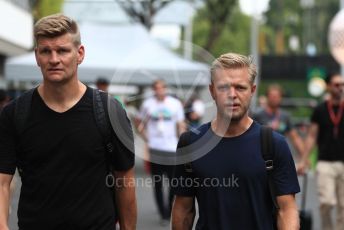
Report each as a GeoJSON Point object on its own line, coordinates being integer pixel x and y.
{"type": "Point", "coordinates": [16, 37]}
{"type": "Point", "coordinates": [23, 4]}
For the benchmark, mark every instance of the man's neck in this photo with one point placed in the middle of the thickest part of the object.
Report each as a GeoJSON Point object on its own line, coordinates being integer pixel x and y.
{"type": "Point", "coordinates": [228, 128]}
{"type": "Point", "coordinates": [61, 97]}
{"type": "Point", "coordinates": [272, 110]}
{"type": "Point", "coordinates": [160, 99]}
{"type": "Point", "coordinates": [335, 100]}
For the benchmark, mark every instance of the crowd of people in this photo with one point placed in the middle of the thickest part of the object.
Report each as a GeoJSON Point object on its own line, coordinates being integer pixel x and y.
{"type": "Point", "coordinates": [63, 146]}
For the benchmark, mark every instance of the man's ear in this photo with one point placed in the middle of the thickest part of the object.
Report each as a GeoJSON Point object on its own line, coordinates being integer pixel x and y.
{"type": "Point", "coordinates": [81, 54]}
{"type": "Point", "coordinates": [211, 90]}
{"type": "Point", "coordinates": [253, 89]}
{"type": "Point", "coordinates": [37, 61]}
{"type": "Point", "coordinates": [328, 87]}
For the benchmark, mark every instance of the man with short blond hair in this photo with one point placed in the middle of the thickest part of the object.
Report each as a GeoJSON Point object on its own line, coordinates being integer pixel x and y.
{"type": "Point", "coordinates": [230, 181]}
{"type": "Point", "coordinates": [59, 150]}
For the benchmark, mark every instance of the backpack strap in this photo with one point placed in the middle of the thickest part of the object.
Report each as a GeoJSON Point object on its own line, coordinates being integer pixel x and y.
{"type": "Point", "coordinates": [21, 114]}
{"type": "Point", "coordinates": [100, 102]}
{"type": "Point", "coordinates": [22, 110]}
{"type": "Point", "coordinates": [100, 110]}
{"type": "Point", "coordinates": [268, 154]}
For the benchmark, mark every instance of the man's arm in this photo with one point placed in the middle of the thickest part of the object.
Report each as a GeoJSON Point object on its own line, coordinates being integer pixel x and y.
{"type": "Point", "coordinates": [309, 144]}
{"type": "Point", "coordinates": [288, 215]}
{"type": "Point", "coordinates": [126, 199]}
{"type": "Point", "coordinates": [183, 213]}
{"type": "Point", "coordinates": [181, 126]}
{"type": "Point", "coordinates": [5, 181]}
{"type": "Point", "coordinates": [296, 141]}
{"type": "Point", "coordinates": [140, 126]}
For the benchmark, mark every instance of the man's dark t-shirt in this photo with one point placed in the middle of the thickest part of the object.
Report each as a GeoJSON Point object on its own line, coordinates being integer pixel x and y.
{"type": "Point", "coordinates": [230, 182]}
{"type": "Point", "coordinates": [329, 147]}
{"type": "Point", "coordinates": [63, 166]}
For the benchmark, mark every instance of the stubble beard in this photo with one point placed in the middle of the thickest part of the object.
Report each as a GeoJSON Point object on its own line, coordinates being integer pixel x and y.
{"type": "Point", "coordinates": [229, 116]}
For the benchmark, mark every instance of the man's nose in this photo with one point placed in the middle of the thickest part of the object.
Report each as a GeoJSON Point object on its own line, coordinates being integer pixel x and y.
{"type": "Point", "coordinates": [232, 92]}
{"type": "Point", "coordinates": [54, 58]}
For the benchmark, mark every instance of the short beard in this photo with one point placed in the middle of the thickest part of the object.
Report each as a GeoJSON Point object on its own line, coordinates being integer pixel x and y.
{"type": "Point", "coordinates": [230, 118]}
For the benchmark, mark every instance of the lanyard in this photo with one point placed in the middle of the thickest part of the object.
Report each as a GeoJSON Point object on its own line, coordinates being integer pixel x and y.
{"type": "Point", "coordinates": [335, 118]}
{"type": "Point", "coordinates": [274, 123]}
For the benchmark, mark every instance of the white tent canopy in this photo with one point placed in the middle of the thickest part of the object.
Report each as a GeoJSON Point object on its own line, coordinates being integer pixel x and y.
{"type": "Point", "coordinates": [104, 11]}
{"type": "Point", "coordinates": [125, 54]}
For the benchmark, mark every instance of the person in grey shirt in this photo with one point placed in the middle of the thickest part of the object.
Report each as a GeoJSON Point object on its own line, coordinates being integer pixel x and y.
{"type": "Point", "coordinates": [278, 119]}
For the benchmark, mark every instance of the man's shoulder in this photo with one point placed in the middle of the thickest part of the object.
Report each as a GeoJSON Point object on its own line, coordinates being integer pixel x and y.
{"type": "Point", "coordinates": [148, 101]}
{"type": "Point", "coordinates": [284, 114]}
{"type": "Point", "coordinates": [276, 136]}
{"type": "Point", "coordinates": [319, 112]}
{"type": "Point", "coordinates": [259, 114]}
{"type": "Point", "coordinates": [24, 98]}
{"type": "Point", "coordinates": [196, 133]}
{"type": "Point", "coordinates": [9, 109]}
{"type": "Point", "coordinates": [170, 99]}
{"type": "Point", "coordinates": [320, 106]}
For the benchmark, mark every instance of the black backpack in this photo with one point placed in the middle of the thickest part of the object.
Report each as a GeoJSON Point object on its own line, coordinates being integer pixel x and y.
{"type": "Point", "coordinates": [268, 153]}
{"type": "Point", "coordinates": [100, 104]}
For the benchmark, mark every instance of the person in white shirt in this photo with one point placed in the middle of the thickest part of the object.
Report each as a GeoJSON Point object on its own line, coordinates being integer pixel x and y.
{"type": "Point", "coordinates": [160, 122]}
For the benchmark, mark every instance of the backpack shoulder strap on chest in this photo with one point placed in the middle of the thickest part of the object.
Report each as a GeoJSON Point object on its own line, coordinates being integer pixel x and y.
{"type": "Point", "coordinates": [22, 110]}
{"type": "Point", "coordinates": [100, 102]}
{"type": "Point", "coordinates": [268, 154]}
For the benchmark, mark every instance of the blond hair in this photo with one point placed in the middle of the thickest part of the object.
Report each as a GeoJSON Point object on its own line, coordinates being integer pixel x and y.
{"type": "Point", "coordinates": [56, 25]}
{"type": "Point", "coordinates": [233, 61]}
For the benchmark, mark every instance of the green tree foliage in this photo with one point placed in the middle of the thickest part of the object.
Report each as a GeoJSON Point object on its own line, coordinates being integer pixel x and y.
{"type": "Point", "coordinates": [225, 34]}
{"type": "Point", "coordinates": [283, 20]}
{"type": "Point", "coordinates": [286, 18]}
{"type": "Point", "coordinates": [41, 8]}
{"type": "Point", "coordinates": [323, 12]}
{"type": "Point", "coordinates": [217, 14]}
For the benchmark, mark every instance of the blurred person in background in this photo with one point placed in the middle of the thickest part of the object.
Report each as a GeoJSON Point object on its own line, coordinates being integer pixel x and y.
{"type": "Point", "coordinates": [327, 131]}
{"type": "Point", "coordinates": [194, 111]}
{"type": "Point", "coordinates": [278, 119]}
{"type": "Point", "coordinates": [160, 122]}
{"type": "Point", "coordinates": [102, 84]}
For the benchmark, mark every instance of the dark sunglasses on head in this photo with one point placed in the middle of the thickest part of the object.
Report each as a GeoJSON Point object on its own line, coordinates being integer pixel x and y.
{"type": "Point", "coordinates": [338, 84]}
